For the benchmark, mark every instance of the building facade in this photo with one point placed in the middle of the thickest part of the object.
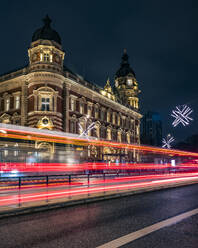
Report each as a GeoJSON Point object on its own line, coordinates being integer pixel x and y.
{"type": "Point", "coordinates": [46, 94]}
{"type": "Point", "coordinates": [151, 133]}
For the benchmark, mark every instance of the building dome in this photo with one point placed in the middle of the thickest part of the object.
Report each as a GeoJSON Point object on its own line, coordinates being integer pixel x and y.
{"type": "Point", "coordinates": [125, 68]}
{"type": "Point", "coordinates": [46, 32]}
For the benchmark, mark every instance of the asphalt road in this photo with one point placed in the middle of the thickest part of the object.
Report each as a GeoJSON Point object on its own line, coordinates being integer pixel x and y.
{"type": "Point", "coordinates": [95, 224]}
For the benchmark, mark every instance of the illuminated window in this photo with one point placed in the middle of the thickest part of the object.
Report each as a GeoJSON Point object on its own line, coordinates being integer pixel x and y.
{"type": "Point", "coordinates": [108, 133]}
{"type": "Point", "coordinates": [113, 118]}
{"type": "Point", "coordinates": [45, 104]}
{"type": "Point", "coordinates": [17, 102]}
{"type": "Point", "coordinates": [72, 104]}
{"type": "Point", "coordinates": [128, 138]}
{"type": "Point", "coordinates": [96, 112]}
{"type": "Point", "coordinates": [137, 130]}
{"type": "Point", "coordinates": [119, 137]}
{"type": "Point", "coordinates": [81, 107]}
{"type": "Point", "coordinates": [98, 131]}
{"type": "Point", "coordinates": [7, 104]}
{"type": "Point", "coordinates": [46, 57]}
{"type": "Point", "coordinates": [108, 116]}
{"type": "Point", "coordinates": [129, 82]}
{"type": "Point", "coordinates": [118, 120]}
{"type": "Point", "coordinates": [89, 110]}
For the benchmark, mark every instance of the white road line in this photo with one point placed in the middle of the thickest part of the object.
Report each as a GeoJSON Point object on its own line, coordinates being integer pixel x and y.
{"type": "Point", "coordinates": [145, 231]}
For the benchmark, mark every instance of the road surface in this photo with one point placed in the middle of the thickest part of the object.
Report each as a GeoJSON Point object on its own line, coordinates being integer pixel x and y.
{"type": "Point", "coordinates": [96, 224]}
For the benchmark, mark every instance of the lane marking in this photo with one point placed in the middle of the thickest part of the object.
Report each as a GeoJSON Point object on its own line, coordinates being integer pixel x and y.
{"type": "Point", "coordinates": [147, 230]}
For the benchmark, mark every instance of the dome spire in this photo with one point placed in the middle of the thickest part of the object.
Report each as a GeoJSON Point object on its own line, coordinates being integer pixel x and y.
{"type": "Point", "coordinates": [125, 58]}
{"type": "Point", "coordinates": [46, 32]}
{"type": "Point", "coordinates": [47, 21]}
{"type": "Point", "coordinates": [125, 68]}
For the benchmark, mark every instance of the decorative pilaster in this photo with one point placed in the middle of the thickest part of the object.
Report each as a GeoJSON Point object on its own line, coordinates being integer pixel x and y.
{"type": "Point", "coordinates": [66, 89]}
{"type": "Point", "coordinates": [24, 103]}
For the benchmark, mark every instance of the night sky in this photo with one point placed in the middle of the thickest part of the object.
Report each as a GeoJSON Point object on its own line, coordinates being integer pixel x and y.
{"type": "Point", "coordinates": [160, 37]}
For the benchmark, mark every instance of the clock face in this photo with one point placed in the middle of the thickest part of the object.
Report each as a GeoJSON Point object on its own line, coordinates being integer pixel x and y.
{"type": "Point", "coordinates": [129, 82]}
{"type": "Point", "coordinates": [45, 121]}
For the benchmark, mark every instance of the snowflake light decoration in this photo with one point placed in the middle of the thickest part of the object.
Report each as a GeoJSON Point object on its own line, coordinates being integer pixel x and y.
{"type": "Point", "coordinates": [166, 142]}
{"type": "Point", "coordinates": [181, 115]}
{"type": "Point", "coordinates": [85, 132]}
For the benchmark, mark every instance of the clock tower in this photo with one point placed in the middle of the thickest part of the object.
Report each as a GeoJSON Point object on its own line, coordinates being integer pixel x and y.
{"type": "Point", "coordinates": [126, 84]}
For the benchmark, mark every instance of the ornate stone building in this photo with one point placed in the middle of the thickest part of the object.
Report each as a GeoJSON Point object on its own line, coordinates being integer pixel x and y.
{"type": "Point", "coordinates": [46, 94]}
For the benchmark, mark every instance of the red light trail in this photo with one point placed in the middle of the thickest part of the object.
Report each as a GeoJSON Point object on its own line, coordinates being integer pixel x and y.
{"type": "Point", "coordinates": [29, 197]}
